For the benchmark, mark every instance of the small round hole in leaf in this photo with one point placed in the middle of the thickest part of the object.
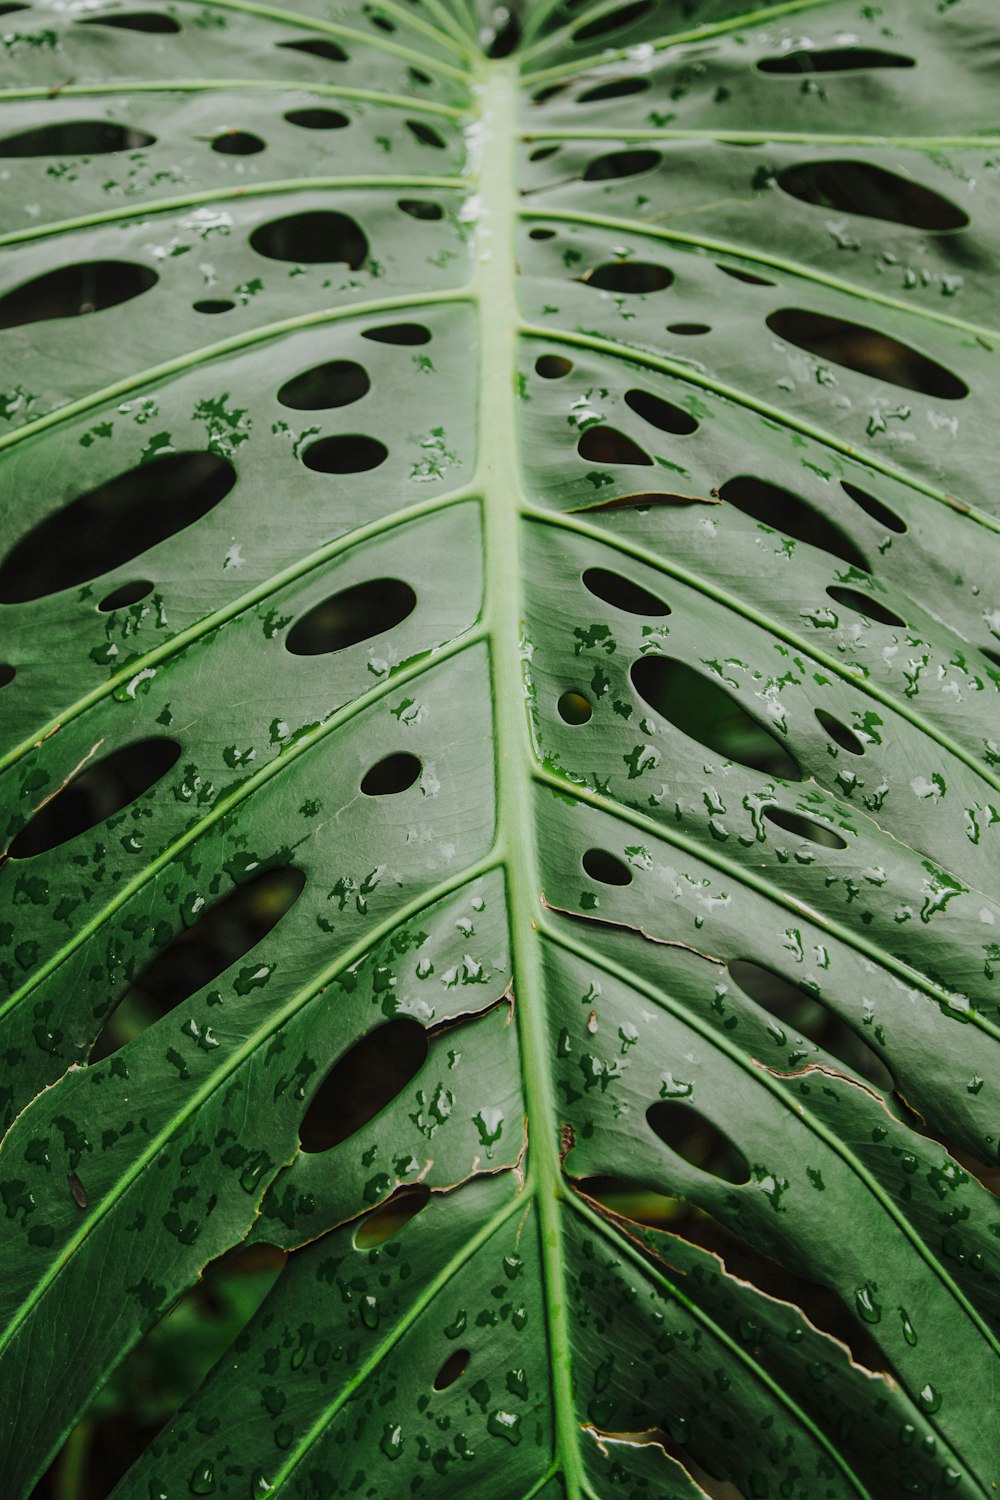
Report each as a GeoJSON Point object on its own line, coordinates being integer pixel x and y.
{"type": "Point", "coordinates": [339, 382]}
{"type": "Point", "coordinates": [353, 615]}
{"type": "Point", "coordinates": [864, 604]}
{"type": "Point", "coordinates": [348, 453]}
{"type": "Point", "coordinates": [552, 366]}
{"type": "Point", "coordinates": [574, 708]}
{"type": "Point", "coordinates": [238, 143]}
{"type": "Point", "coordinates": [696, 1140]}
{"type": "Point", "coordinates": [391, 775]}
{"type": "Point", "coordinates": [805, 828]}
{"type": "Point", "coordinates": [124, 595]}
{"type": "Point", "coordinates": [606, 868]}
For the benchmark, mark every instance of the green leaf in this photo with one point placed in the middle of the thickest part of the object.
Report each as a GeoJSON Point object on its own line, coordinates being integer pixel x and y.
{"type": "Point", "coordinates": [501, 747]}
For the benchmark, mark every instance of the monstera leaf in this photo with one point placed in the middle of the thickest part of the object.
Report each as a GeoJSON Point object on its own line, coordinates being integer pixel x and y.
{"type": "Point", "coordinates": [501, 709]}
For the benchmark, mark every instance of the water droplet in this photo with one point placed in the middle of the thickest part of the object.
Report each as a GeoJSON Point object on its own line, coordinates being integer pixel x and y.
{"type": "Point", "coordinates": [370, 1312]}
{"type": "Point", "coordinates": [864, 1301]}
{"type": "Point", "coordinates": [929, 1398]}
{"type": "Point", "coordinates": [909, 1332]}
{"type": "Point", "coordinates": [392, 1441]}
{"type": "Point", "coordinates": [202, 1481]}
{"type": "Point", "coordinates": [259, 1485]}
{"type": "Point", "coordinates": [505, 1424]}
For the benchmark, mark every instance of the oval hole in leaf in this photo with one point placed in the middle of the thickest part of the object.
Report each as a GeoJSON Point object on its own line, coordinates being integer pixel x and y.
{"type": "Point", "coordinates": [353, 615]}
{"type": "Point", "coordinates": [114, 523]}
{"type": "Point", "coordinates": [153, 22]}
{"type": "Point", "coordinates": [810, 1018]}
{"type": "Point", "coordinates": [542, 234]}
{"type": "Point", "coordinates": [421, 208]}
{"type": "Point", "coordinates": [879, 513]}
{"type": "Point", "coordinates": [238, 143]}
{"type": "Point", "coordinates": [339, 382]}
{"type": "Point", "coordinates": [542, 153]}
{"type": "Point", "coordinates": [318, 47]}
{"type": "Point", "coordinates": [616, 164]}
{"type": "Point", "coordinates": [805, 828]}
{"type": "Point", "coordinates": [625, 15]}
{"type": "Point", "coordinates": [7, 674]}
{"type": "Point", "coordinates": [659, 413]}
{"type": "Point", "coordinates": [552, 366]}
{"type": "Point", "coordinates": [631, 1200]}
{"type": "Point", "coordinates": [75, 138]}
{"type": "Point", "coordinates": [782, 510]}
{"type": "Point", "coordinates": [700, 1143]}
{"type": "Point", "coordinates": [453, 1369]}
{"type": "Point", "coordinates": [549, 92]}
{"type": "Point", "coordinates": [96, 794]}
{"type": "Point", "coordinates": [865, 605]}
{"type": "Point", "coordinates": [418, 76]}
{"type": "Point", "coordinates": [320, 237]}
{"type": "Point", "coordinates": [317, 119]}
{"type": "Point", "coordinates": [858, 187]}
{"type": "Point", "coordinates": [124, 595]}
{"type": "Point", "coordinates": [391, 775]}
{"type": "Point", "coordinates": [834, 60]}
{"type": "Point", "coordinates": [635, 277]}
{"type": "Point", "coordinates": [574, 708]}
{"type": "Point", "coordinates": [363, 1083]}
{"type": "Point", "coordinates": [746, 276]}
{"type": "Point", "coordinates": [606, 868]}
{"type": "Point", "coordinates": [213, 305]}
{"type": "Point", "coordinates": [378, 19]}
{"type": "Point", "coordinates": [74, 291]}
{"type": "Point", "coordinates": [398, 333]}
{"type": "Point", "coordinates": [426, 134]}
{"type": "Point", "coordinates": [622, 593]}
{"type": "Point", "coordinates": [688, 329]}
{"type": "Point", "coordinates": [617, 89]}
{"type": "Point", "coordinates": [222, 934]}
{"type": "Point", "coordinates": [606, 445]}
{"type": "Point", "coordinates": [700, 708]}
{"type": "Point", "coordinates": [864, 349]}
{"type": "Point", "coordinates": [384, 1224]}
{"type": "Point", "coordinates": [839, 733]}
{"type": "Point", "coordinates": [348, 453]}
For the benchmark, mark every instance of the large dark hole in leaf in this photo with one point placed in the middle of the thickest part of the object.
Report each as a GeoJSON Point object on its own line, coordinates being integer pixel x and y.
{"type": "Point", "coordinates": [879, 513]}
{"type": "Point", "coordinates": [73, 291]}
{"type": "Point", "coordinates": [124, 595]}
{"type": "Point", "coordinates": [606, 445]}
{"type": "Point", "coordinates": [823, 1308]}
{"type": "Point", "coordinates": [96, 794]}
{"type": "Point", "coordinates": [317, 119]}
{"type": "Point", "coordinates": [625, 15]}
{"type": "Point", "coordinates": [7, 674]}
{"type": "Point", "coordinates": [618, 88]}
{"type": "Point", "coordinates": [622, 593]}
{"type": "Point", "coordinates": [353, 615]}
{"type": "Point", "coordinates": [834, 60]}
{"type": "Point", "coordinates": [363, 1082]}
{"type": "Point", "coordinates": [426, 134]}
{"type": "Point", "coordinates": [699, 708]}
{"type": "Point", "coordinates": [865, 605]}
{"type": "Point", "coordinates": [506, 37]}
{"type": "Point", "coordinates": [114, 523]}
{"type": "Point", "coordinates": [685, 1130]}
{"type": "Point", "coordinates": [398, 333]}
{"type": "Point", "coordinates": [392, 775]}
{"type": "Point", "coordinates": [238, 143]}
{"type": "Point", "coordinates": [789, 513]}
{"type": "Point", "coordinates": [153, 22]}
{"type": "Point", "coordinates": [421, 208]}
{"type": "Point", "coordinates": [75, 138]}
{"type": "Point", "coordinates": [659, 413]}
{"type": "Point", "coordinates": [864, 349]}
{"type": "Point", "coordinates": [605, 868]}
{"type": "Point", "coordinates": [573, 707]}
{"type": "Point", "coordinates": [858, 187]}
{"type": "Point", "coordinates": [810, 1018]}
{"type": "Point", "coordinates": [218, 937]}
{"type": "Point", "coordinates": [805, 828]}
{"type": "Point", "coordinates": [320, 237]}
{"type": "Point", "coordinates": [385, 1223]}
{"type": "Point", "coordinates": [634, 277]}
{"type": "Point", "coordinates": [347, 453]}
{"type": "Point", "coordinates": [552, 366]}
{"type": "Point", "coordinates": [336, 383]}
{"type": "Point", "coordinates": [453, 1369]}
{"type": "Point", "coordinates": [318, 47]}
{"type": "Point", "coordinates": [621, 164]}
{"type": "Point", "coordinates": [839, 733]}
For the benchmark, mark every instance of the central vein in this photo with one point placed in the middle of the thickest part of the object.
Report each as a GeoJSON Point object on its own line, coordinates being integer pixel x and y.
{"type": "Point", "coordinates": [499, 483]}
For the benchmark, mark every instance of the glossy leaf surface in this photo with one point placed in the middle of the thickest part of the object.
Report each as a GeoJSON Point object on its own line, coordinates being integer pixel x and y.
{"type": "Point", "coordinates": [501, 742]}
